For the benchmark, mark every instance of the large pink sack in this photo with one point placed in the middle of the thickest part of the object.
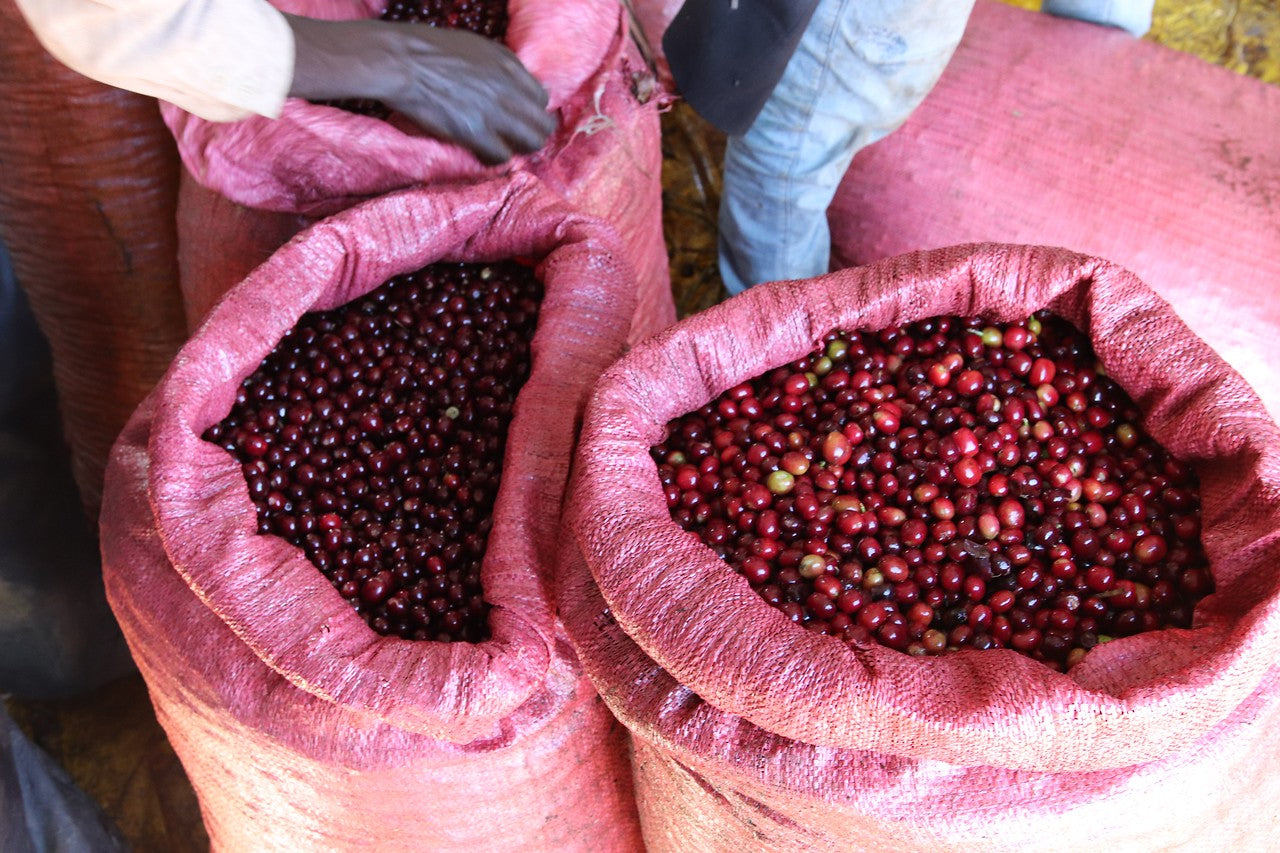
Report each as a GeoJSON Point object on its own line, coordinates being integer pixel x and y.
{"type": "Point", "coordinates": [88, 178]}
{"type": "Point", "coordinates": [611, 167]}
{"type": "Point", "coordinates": [317, 159]}
{"type": "Point", "coordinates": [220, 242]}
{"type": "Point", "coordinates": [250, 185]}
{"type": "Point", "coordinates": [299, 727]}
{"type": "Point", "coordinates": [1062, 133]}
{"type": "Point", "coordinates": [751, 733]}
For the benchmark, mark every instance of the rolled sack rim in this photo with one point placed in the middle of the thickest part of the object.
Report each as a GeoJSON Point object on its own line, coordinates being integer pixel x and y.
{"type": "Point", "coordinates": [700, 621]}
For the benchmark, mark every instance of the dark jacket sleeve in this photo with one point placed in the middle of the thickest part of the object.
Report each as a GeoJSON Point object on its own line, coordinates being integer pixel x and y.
{"type": "Point", "coordinates": [727, 55]}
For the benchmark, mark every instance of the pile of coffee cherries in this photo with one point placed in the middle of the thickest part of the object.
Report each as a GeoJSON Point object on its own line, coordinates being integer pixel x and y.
{"type": "Point", "coordinates": [482, 17]}
{"type": "Point", "coordinates": [372, 437]}
{"type": "Point", "coordinates": [948, 484]}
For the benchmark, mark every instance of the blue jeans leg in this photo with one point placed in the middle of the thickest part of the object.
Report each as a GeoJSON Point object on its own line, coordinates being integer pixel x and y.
{"type": "Point", "coordinates": [1134, 16]}
{"type": "Point", "coordinates": [860, 70]}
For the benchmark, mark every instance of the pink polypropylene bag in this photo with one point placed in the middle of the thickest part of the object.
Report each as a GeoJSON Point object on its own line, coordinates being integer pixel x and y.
{"type": "Point", "coordinates": [1056, 132]}
{"type": "Point", "coordinates": [751, 733]}
{"type": "Point", "coordinates": [299, 727]}
{"type": "Point", "coordinates": [247, 189]}
{"type": "Point", "coordinates": [317, 160]}
{"type": "Point", "coordinates": [611, 167]}
{"type": "Point", "coordinates": [88, 176]}
{"type": "Point", "coordinates": [220, 242]}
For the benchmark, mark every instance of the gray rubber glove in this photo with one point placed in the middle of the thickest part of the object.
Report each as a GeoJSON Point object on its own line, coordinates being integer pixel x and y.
{"type": "Point", "coordinates": [456, 85]}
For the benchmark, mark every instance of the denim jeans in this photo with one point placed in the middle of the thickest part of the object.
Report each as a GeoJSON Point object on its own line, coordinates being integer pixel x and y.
{"type": "Point", "coordinates": [1133, 16]}
{"type": "Point", "coordinates": [859, 71]}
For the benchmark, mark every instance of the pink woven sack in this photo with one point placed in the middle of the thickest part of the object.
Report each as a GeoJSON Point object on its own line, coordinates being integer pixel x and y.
{"type": "Point", "coordinates": [300, 728]}
{"type": "Point", "coordinates": [88, 176]}
{"type": "Point", "coordinates": [1062, 133]}
{"type": "Point", "coordinates": [221, 242]}
{"type": "Point", "coordinates": [750, 733]}
{"type": "Point", "coordinates": [611, 167]}
{"type": "Point", "coordinates": [317, 159]}
{"type": "Point", "coordinates": [249, 186]}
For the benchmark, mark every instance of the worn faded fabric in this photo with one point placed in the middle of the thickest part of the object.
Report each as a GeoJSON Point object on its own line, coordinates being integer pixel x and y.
{"type": "Point", "coordinates": [856, 75]}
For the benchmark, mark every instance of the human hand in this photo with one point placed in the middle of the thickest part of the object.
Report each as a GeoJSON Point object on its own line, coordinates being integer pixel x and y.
{"type": "Point", "coordinates": [456, 85]}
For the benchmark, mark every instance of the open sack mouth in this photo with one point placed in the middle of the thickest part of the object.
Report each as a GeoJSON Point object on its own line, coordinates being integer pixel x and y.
{"type": "Point", "coordinates": [372, 437]}
{"type": "Point", "coordinates": [941, 485]}
{"type": "Point", "coordinates": [1067, 608]}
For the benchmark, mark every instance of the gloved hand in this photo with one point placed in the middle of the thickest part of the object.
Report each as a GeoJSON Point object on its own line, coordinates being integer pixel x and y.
{"type": "Point", "coordinates": [456, 85]}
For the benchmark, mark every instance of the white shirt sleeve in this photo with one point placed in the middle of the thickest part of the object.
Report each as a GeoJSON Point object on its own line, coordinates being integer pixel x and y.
{"type": "Point", "coordinates": [222, 60]}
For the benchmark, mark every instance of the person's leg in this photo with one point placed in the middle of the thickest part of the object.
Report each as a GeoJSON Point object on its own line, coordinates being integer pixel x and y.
{"type": "Point", "coordinates": [860, 70]}
{"type": "Point", "coordinates": [58, 636]}
{"type": "Point", "coordinates": [1133, 16]}
{"type": "Point", "coordinates": [41, 809]}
